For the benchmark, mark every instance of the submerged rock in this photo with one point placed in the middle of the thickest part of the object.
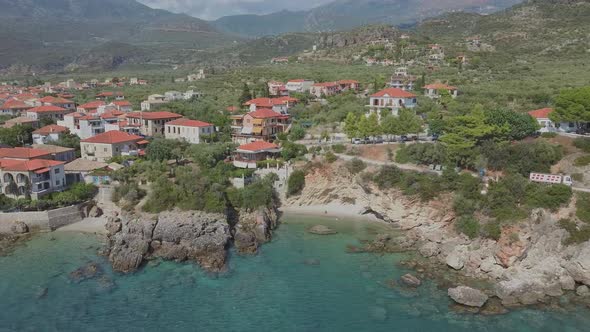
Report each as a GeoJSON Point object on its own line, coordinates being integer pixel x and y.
{"type": "Point", "coordinates": [322, 230]}
{"type": "Point", "coordinates": [583, 291]}
{"type": "Point", "coordinates": [19, 227]}
{"type": "Point", "coordinates": [468, 296]}
{"type": "Point", "coordinates": [410, 280]}
{"type": "Point", "coordinates": [89, 271]}
{"type": "Point", "coordinates": [312, 262]}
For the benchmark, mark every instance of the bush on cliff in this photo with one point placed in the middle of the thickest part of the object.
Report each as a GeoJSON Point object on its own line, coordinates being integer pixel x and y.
{"type": "Point", "coordinates": [296, 183]}
{"type": "Point", "coordinates": [583, 207]}
{"type": "Point", "coordinates": [468, 225]}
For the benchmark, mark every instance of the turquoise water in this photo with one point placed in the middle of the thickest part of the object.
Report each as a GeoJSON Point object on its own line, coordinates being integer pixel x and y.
{"type": "Point", "coordinates": [273, 291]}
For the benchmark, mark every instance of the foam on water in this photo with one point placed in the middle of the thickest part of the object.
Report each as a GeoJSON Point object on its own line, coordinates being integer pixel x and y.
{"type": "Point", "coordinates": [299, 282]}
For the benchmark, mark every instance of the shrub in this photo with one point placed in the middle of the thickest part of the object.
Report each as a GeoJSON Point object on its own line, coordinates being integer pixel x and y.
{"type": "Point", "coordinates": [582, 161]}
{"type": "Point", "coordinates": [293, 150]}
{"type": "Point", "coordinates": [330, 157]}
{"type": "Point", "coordinates": [579, 177]}
{"type": "Point", "coordinates": [492, 230]}
{"type": "Point", "coordinates": [583, 207]}
{"type": "Point", "coordinates": [339, 148]}
{"type": "Point", "coordinates": [576, 235]}
{"type": "Point", "coordinates": [464, 206]}
{"type": "Point", "coordinates": [469, 226]}
{"type": "Point", "coordinates": [272, 163]}
{"type": "Point", "coordinates": [425, 154]}
{"type": "Point", "coordinates": [356, 166]}
{"type": "Point", "coordinates": [582, 144]}
{"type": "Point", "coordinates": [548, 196]}
{"type": "Point", "coordinates": [388, 177]}
{"type": "Point", "coordinates": [549, 135]}
{"type": "Point", "coordinates": [128, 193]}
{"type": "Point", "coordinates": [296, 183]}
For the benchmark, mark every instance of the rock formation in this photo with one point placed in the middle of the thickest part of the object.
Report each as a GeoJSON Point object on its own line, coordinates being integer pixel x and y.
{"type": "Point", "coordinates": [194, 236]}
{"type": "Point", "coordinates": [468, 296]}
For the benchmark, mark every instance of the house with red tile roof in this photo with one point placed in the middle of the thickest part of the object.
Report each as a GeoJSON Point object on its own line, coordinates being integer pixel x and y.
{"type": "Point", "coordinates": [249, 154]}
{"type": "Point", "coordinates": [52, 112]}
{"type": "Point", "coordinates": [277, 89]}
{"type": "Point", "coordinates": [325, 89]}
{"type": "Point", "coordinates": [152, 123]}
{"type": "Point", "coordinates": [191, 131]}
{"type": "Point", "coordinates": [59, 102]}
{"type": "Point", "coordinates": [122, 105]}
{"type": "Point", "coordinates": [263, 124]}
{"type": "Point", "coordinates": [50, 133]}
{"type": "Point", "coordinates": [105, 146]}
{"type": "Point", "coordinates": [31, 178]}
{"type": "Point", "coordinates": [391, 99]}
{"type": "Point", "coordinates": [548, 126]}
{"type": "Point", "coordinates": [433, 91]}
{"type": "Point", "coordinates": [21, 121]}
{"type": "Point", "coordinates": [91, 106]}
{"type": "Point", "coordinates": [14, 107]}
{"type": "Point", "coordinates": [278, 104]}
{"type": "Point", "coordinates": [23, 154]}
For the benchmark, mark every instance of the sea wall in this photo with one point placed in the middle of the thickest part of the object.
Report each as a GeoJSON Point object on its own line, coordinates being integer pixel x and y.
{"type": "Point", "coordinates": [42, 220]}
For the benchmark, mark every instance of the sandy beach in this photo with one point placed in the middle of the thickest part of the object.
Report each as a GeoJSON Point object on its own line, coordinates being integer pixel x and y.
{"type": "Point", "coordinates": [336, 210]}
{"type": "Point", "coordinates": [88, 225]}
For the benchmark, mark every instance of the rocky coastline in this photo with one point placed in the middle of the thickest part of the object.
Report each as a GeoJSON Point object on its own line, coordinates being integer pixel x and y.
{"type": "Point", "coordinates": [203, 238]}
{"type": "Point", "coordinates": [533, 268]}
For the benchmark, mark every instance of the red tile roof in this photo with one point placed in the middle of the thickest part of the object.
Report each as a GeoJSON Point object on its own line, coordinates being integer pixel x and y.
{"type": "Point", "coordinates": [440, 86]}
{"type": "Point", "coordinates": [541, 113]}
{"type": "Point", "coordinates": [270, 102]}
{"type": "Point", "coordinates": [38, 165]}
{"type": "Point", "coordinates": [47, 109]}
{"type": "Point", "coordinates": [92, 105]}
{"type": "Point", "coordinates": [121, 103]}
{"type": "Point", "coordinates": [189, 123]}
{"type": "Point", "coordinates": [265, 113]}
{"type": "Point", "coordinates": [395, 93]}
{"type": "Point", "coordinates": [154, 115]}
{"type": "Point", "coordinates": [14, 104]}
{"type": "Point", "coordinates": [50, 129]}
{"type": "Point", "coordinates": [113, 137]}
{"type": "Point", "coordinates": [22, 153]}
{"type": "Point", "coordinates": [258, 146]}
{"type": "Point", "coordinates": [55, 100]}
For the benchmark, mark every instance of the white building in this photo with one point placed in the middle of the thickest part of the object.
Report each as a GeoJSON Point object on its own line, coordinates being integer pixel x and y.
{"type": "Point", "coordinates": [392, 100]}
{"type": "Point", "coordinates": [153, 102]}
{"type": "Point", "coordinates": [191, 131]}
{"type": "Point", "coordinates": [50, 133]}
{"type": "Point", "coordinates": [299, 85]}
{"type": "Point", "coordinates": [548, 126]}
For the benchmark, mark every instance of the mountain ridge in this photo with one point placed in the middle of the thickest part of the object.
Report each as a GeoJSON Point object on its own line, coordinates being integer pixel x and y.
{"type": "Point", "coordinates": [347, 14]}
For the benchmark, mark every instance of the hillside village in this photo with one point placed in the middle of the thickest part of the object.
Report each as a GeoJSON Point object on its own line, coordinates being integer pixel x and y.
{"type": "Point", "coordinates": [459, 127]}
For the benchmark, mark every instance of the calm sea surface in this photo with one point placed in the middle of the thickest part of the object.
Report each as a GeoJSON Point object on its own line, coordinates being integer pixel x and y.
{"type": "Point", "coordinates": [299, 282]}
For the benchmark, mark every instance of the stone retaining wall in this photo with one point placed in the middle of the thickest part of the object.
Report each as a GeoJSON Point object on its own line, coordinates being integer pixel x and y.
{"type": "Point", "coordinates": [42, 220]}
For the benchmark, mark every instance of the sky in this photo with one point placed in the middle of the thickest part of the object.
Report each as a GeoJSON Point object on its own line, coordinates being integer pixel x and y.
{"type": "Point", "coordinates": [212, 9]}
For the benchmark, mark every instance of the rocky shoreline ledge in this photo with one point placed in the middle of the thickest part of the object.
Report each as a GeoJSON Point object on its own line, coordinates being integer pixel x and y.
{"type": "Point", "coordinates": [534, 267]}
{"type": "Point", "coordinates": [203, 238]}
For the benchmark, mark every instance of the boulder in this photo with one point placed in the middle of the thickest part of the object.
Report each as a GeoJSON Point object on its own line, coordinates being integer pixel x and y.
{"type": "Point", "coordinates": [321, 230]}
{"type": "Point", "coordinates": [456, 260]}
{"type": "Point", "coordinates": [113, 226]}
{"type": "Point", "coordinates": [468, 296]}
{"type": "Point", "coordinates": [429, 249]}
{"type": "Point", "coordinates": [410, 280]}
{"type": "Point", "coordinates": [583, 291]}
{"type": "Point", "coordinates": [89, 271]}
{"type": "Point", "coordinates": [95, 212]}
{"type": "Point", "coordinates": [19, 227]}
{"type": "Point", "coordinates": [245, 241]}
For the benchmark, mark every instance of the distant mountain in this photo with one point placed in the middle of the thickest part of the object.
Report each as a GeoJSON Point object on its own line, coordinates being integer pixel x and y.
{"type": "Point", "coordinates": [554, 28]}
{"type": "Point", "coordinates": [346, 14]}
{"type": "Point", "coordinates": [51, 34]}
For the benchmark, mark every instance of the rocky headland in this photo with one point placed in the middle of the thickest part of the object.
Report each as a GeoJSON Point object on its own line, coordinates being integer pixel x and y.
{"type": "Point", "coordinates": [200, 237]}
{"type": "Point", "coordinates": [531, 267]}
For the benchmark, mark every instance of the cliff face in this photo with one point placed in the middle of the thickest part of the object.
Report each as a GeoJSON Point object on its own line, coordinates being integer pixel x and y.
{"type": "Point", "coordinates": [528, 264]}
{"type": "Point", "coordinates": [200, 237]}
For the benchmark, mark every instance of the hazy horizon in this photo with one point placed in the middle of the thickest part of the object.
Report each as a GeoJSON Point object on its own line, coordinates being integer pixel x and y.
{"type": "Point", "coordinates": [214, 9]}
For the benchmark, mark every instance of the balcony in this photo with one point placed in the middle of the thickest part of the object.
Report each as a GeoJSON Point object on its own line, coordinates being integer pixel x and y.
{"type": "Point", "coordinates": [130, 153]}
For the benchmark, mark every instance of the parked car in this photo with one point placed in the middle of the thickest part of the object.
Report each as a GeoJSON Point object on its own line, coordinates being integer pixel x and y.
{"type": "Point", "coordinates": [403, 138]}
{"type": "Point", "coordinates": [358, 141]}
{"type": "Point", "coordinates": [378, 140]}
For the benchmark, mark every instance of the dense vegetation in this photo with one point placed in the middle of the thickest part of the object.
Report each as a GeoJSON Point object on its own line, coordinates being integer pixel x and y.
{"type": "Point", "coordinates": [77, 193]}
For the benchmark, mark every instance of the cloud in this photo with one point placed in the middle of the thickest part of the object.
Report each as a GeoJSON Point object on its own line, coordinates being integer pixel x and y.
{"type": "Point", "coordinates": [212, 9]}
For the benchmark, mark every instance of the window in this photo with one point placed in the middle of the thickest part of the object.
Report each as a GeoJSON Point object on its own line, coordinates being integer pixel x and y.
{"type": "Point", "coordinates": [56, 171]}
{"type": "Point", "coordinates": [57, 183]}
{"type": "Point", "coordinates": [105, 149]}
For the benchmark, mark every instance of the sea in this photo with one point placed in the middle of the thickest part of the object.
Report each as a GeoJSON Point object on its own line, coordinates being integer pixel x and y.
{"type": "Point", "coordinates": [298, 282]}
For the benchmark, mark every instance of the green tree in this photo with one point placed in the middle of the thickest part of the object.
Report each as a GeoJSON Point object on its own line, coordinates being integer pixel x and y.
{"type": "Point", "coordinates": [296, 183]}
{"type": "Point", "coordinates": [164, 149]}
{"type": "Point", "coordinates": [511, 125]}
{"type": "Point", "coordinates": [351, 125]}
{"type": "Point", "coordinates": [572, 105]}
{"type": "Point", "coordinates": [390, 125]}
{"type": "Point", "coordinates": [18, 135]}
{"type": "Point", "coordinates": [373, 126]}
{"type": "Point", "coordinates": [246, 94]}
{"type": "Point", "coordinates": [409, 122]}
